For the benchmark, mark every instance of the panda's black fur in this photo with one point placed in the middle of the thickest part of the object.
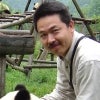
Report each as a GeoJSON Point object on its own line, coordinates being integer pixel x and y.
{"type": "Point", "coordinates": [20, 87]}
{"type": "Point", "coordinates": [20, 93]}
{"type": "Point", "coordinates": [23, 93]}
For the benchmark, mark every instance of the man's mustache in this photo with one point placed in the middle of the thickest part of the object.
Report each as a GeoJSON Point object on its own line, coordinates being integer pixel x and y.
{"type": "Point", "coordinates": [53, 44]}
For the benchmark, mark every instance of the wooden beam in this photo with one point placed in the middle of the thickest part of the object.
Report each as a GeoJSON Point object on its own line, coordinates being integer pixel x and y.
{"type": "Point", "coordinates": [17, 22]}
{"type": "Point", "coordinates": [27, 5]}
{"type": "Point", "coordinates": [88, 21]}
{"type": "Point", "coordinates": [82, 15]}
{"type": "Point", "coordinates": [40, 66]}
{"type": "Point", "coordinates": [15, 44]}
{"type": "Point", "coordinates": [15, 32]}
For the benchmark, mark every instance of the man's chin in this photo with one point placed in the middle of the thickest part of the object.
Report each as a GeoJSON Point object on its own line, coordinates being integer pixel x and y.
{"type": "Point", "coordinates": [56, 53]}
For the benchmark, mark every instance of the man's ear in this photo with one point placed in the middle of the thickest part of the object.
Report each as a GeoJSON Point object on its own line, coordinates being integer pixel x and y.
{"type": "Point", "coordinates": [71, 26]}
{"type": "Point", "coordinates": [22, 95]}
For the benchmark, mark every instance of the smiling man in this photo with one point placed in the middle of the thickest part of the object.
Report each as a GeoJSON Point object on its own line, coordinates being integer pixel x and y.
{"type": "Point", "coordinates": [78, 61]}
{"type": "Point", "coordinates": [53, 34]}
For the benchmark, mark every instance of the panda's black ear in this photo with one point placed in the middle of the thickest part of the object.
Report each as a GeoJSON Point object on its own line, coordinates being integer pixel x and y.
{"type": "Point", "coordinates": [22, 95]}
{"type": "Point", "coordinates": [20, 87]}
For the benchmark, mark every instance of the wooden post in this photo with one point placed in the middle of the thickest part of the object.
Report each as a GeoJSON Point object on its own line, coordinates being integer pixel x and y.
{"type": "Point", "coordinates": [2, 74]}
{"type": "Point", "coordinates": [81, 14]}
{"type": "Point", "coordinates": [13, 44]}
{"type": "Point", "coordinates": [27, 6]}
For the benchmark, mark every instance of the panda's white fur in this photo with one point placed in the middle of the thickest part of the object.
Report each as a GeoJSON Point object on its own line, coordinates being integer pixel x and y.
{"type": "Point", "coordinates": [19, 95]}
{"type": "Point", "coordinates": [36, 5]}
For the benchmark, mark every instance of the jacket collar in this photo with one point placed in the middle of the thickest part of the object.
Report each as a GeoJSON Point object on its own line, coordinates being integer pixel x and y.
{"type": "Point", "coordinates": [76, 36]}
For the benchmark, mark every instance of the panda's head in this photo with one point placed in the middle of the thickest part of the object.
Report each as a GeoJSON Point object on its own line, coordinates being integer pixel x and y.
{"type": "Point", "coordinates": [20, 93]}
{"type": "Point", "coordinates": [23, 93]}
{"type": "Point", "coordinates": [20, 87]}
{"type": "Point", "coordinates": [36, 5]}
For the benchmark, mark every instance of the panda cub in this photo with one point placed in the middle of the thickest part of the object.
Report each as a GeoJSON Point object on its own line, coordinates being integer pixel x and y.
{"type": "Point", "coordinates": [23, 93]}
{"type": "Point", "coordinates": [20, 93]}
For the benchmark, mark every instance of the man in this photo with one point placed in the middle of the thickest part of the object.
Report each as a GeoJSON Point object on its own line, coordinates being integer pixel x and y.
{"type": "Point", "coordinates": [55, 27]}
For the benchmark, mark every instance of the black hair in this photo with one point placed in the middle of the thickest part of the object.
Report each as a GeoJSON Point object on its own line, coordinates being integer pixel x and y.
{"type": "Point", "coordinates": [50, 8]}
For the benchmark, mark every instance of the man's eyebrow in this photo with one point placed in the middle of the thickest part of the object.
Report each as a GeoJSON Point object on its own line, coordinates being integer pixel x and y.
{"type": "Point", "coordinates": [41, 32]}
{"type": "Point", "coordinates": [51, 28]}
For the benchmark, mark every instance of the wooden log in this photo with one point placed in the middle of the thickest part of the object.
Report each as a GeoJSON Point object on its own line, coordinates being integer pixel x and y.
{"type": "Point", "coordinates": [81, 14]}
{"type": "Point", "coordinates": [15, 44]}
{"type": "Point", "coordinates": [34, 61]}
{"type": "Point", "coordinates": [21, 69]}
{"type": "Point", "coordinates": [15, 32]}
{"type": "Point", "coordinates": [6, 20]}
{"type": "Point", "coordinates": [43, 55]}
{"type": "Point", "coordinates": [88, 21]}
{"type": "Point", "coordinates": [40, 66]}
{"type": "Point", "coordinates": [27, 5]}
{"type": "Point", "coordinates": [16, 22]}
{"type": "Point", "coordinates": [44, 61]}
{"type": "Point", "coordinates": [19, 15]}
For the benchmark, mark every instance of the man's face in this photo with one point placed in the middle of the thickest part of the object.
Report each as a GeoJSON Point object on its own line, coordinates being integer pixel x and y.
{"type": "Point", "coordinates": [55, 35]}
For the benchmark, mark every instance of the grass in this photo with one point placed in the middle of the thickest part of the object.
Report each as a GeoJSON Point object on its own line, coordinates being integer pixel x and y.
{"type": "Point", "coordinates": [40, 81]}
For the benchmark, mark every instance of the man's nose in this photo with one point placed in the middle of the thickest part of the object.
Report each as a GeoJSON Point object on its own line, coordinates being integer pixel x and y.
{"type": "Point", "coordinates": [51, 38]}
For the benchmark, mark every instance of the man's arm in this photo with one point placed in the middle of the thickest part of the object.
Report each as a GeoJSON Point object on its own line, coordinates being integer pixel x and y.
{"type": "Point", "coordinates": [62, 91]}
{"type": "Point", "coordinates": [88, 81]}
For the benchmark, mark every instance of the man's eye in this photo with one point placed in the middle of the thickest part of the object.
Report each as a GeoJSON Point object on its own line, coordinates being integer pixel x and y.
{"type": "Point", "coordinates": [43, 35]}
{"type": "Point", "coordinates": [55, 31]}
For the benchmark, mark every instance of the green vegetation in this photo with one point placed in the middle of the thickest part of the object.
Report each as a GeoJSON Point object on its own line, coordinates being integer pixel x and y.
{"type": "Point", "coordinates": [42, 81]}
{"type": "Point", "coordinates": [39, 82]}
